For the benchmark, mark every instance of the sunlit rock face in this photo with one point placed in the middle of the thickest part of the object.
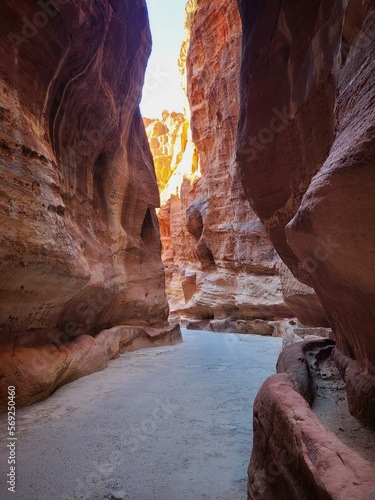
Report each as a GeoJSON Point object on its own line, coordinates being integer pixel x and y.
{"type": "Point", "coordinates": [167, 137]}
{"type": "Point", "coordinates": [306, 151]}
{"type": "Point", "coordinates": [80, 247]}
{"type": "Point", "coordinates": [220, 264]}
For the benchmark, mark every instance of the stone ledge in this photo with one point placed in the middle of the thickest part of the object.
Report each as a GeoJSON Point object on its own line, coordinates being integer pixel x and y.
{"type": "Point", "coordinates": [295, 457]}
{"type": "Point", "coordinates": [37, 371]}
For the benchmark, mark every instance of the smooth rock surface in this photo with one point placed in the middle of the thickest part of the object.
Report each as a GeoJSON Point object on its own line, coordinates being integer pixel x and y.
{"type": "Point", "coordinates": [306, 153]}
{"type": "Point", "coordinates": [168, 423]}
{"type": "Point", "coordinates": [295, 456]}
{"type": "Point", "coordinates": [302, 299]}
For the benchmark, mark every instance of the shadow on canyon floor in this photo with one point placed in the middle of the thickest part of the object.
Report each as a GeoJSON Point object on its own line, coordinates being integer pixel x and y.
{"type": "Point", "coordinates": [162, 423]}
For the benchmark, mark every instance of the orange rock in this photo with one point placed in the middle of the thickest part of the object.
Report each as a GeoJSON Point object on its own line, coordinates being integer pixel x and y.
{"type": "Point", "coordinates": [167, 139]}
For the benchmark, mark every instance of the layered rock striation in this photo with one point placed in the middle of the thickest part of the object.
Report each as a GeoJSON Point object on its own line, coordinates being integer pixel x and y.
{"type": "Point", "coordinates": [80, 248]}
{"type": "Point", "coordinates": [221, 267]}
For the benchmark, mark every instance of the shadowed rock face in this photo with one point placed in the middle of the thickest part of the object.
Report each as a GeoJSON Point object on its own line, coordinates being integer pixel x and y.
{"type": "Point", "coordinates": [306, 151]}
{"type": "Point", "coordinates": [301, 299]}
{"type": "Point", "coordinates": [79, 238]}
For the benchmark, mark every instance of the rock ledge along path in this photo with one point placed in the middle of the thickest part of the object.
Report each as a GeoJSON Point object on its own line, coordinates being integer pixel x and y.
{"type": "Point", "coordinates": [165, 423]}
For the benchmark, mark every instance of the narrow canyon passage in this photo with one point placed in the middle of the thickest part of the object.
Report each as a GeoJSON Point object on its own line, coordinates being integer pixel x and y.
{"type": "Point", "coordinates": [165, 423]}
{"type": "Point", "coordinates": [196, 164]}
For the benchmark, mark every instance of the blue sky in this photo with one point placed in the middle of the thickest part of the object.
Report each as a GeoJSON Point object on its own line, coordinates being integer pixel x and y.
{"type": "Point", "coordinates": [162, 88]}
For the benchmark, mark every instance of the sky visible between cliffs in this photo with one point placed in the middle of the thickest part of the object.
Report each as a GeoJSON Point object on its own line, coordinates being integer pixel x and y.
{"type": "Point", "coordinates": [162, 89]}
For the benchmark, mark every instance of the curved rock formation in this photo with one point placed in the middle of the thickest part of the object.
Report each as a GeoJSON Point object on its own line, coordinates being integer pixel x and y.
{"type": "Point", "coordinates": [306, 149]}
{"type": "Point", "coordinates": [295, 456]}
{"type": "Point", "coordinates": [220, 264]}
{"type": "Point", "coordinates": [80, 248]}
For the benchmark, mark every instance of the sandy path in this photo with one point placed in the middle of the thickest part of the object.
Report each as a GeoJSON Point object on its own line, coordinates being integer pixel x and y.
{"type": "Point", "coordinates": [170, 423]}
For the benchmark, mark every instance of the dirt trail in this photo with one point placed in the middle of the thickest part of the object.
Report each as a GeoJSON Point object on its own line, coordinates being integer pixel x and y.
{"type": "Point", "coordinates": [170, 423]}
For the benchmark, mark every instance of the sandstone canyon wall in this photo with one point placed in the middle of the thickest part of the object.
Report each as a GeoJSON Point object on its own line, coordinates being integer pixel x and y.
{"type": "Point", "coordinates": [221, 267]}
{"type": "Point", "coordinates": [80, 247]}
{"type": "Point", "coordinates": [306, 149]}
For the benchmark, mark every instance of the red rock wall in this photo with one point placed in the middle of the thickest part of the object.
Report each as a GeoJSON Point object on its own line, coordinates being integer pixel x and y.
{"type": "Point", "coordinates": [307, 151]}
{"type": "Point", "coordinates": [80, 247]}
{"type": "Point", "coordinates": [295, 456]}
{"type": "Point", "coordinates": [220, 264]}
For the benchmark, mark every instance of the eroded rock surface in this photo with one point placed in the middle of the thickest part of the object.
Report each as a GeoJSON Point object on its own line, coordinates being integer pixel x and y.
{"type": "Point", "coordinates": [219, 261]}
{"type": "Point", "coordinates": [295, 455]}
{"type": "Point", "coordinates": [306, 150]}
{"type": "Point", "coordinates": [80, 247]}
